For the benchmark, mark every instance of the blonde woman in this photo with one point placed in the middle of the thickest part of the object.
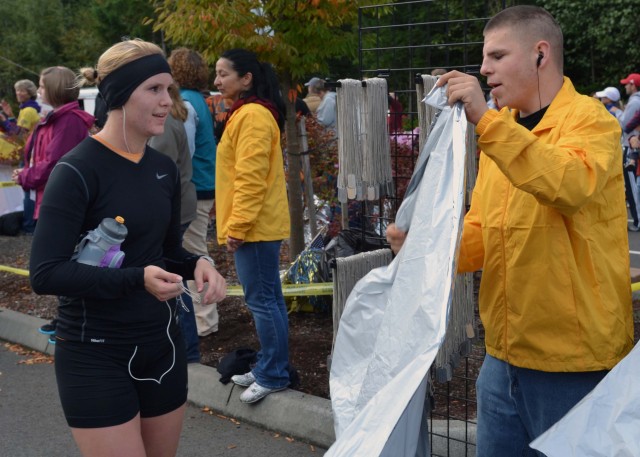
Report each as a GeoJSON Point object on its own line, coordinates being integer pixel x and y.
{"type": "Point", "coordinates": [120, 358]}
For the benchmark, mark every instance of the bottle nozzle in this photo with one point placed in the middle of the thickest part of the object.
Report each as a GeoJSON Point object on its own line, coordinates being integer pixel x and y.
{"type": "Point", "coordinates": [120, 219]}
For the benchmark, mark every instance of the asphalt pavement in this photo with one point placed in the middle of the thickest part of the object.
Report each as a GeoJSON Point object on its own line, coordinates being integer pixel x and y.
{"type": "Point", "coordinates": [32, 423]}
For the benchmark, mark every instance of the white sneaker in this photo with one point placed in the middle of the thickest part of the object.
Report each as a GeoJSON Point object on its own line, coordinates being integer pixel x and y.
{"type": "Point", "coordinates": [244, 380]}
{"type": "Point", "coordinates": [256, 392]}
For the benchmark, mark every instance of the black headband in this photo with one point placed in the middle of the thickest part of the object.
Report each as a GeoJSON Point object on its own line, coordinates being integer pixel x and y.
{"type": "Point", "coordinates": [117, 86]}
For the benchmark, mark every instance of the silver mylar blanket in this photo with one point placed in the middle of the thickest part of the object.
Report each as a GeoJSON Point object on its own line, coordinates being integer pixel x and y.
{"type": "Point", "coordinates": [606, 423]}
{"type": "Point", "coordinates": [395, 318]}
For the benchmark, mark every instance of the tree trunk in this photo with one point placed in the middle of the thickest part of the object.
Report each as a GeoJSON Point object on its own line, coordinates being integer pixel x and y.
{"type": "Point", "coordinates": [294, 184]}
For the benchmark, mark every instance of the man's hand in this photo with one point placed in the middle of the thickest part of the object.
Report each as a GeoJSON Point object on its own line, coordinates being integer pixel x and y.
{"type": "Point", "coordinates": [466, 89]}
{"type": "Point", "coordinates": [395, 237]}
{"type": "Point", "coordinates": [634, 142]}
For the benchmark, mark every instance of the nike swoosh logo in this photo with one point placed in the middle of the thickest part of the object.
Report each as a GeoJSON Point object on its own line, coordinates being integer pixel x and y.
{"type": "Point", "coordinates": [159, 176]}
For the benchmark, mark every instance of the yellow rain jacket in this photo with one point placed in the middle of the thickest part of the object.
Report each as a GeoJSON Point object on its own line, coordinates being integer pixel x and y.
{"type": "Point", "coordinates": [251, 195]}
{"type": "Point", "coordinates": [548, 226]}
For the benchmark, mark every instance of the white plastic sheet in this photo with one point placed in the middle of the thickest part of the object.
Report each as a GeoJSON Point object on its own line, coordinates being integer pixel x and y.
{"type": "Point", "coordinates": [606, 423]}
{"type": "Point", "coordinates": [396, 316]}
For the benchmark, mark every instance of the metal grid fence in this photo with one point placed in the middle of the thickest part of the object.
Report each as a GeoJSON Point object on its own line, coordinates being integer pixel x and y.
{"type": "Point", "coordinates": [401, 41]}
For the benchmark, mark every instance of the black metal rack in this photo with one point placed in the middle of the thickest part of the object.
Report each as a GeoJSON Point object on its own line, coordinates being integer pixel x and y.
{"type": "Point", "coordinates": [408, 39]}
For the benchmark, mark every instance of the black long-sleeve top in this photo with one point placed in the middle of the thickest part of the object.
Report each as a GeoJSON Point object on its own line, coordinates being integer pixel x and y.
{"type": "Point", "coordinates": [109, 305]}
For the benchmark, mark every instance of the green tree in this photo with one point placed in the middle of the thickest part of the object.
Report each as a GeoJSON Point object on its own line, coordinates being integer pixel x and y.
{"type": "Point", "coordinates": [35, 34]}
{"type": "Point", "coordinates": [297, 36]}
{"type": "Point", "coordinates": [28, 37]}
{"type": "Point", "coordinates": [600, 40]}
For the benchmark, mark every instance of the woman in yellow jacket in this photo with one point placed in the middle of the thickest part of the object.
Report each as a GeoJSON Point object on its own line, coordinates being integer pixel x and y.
{"type": "Point", "coordinates": [252, 214]}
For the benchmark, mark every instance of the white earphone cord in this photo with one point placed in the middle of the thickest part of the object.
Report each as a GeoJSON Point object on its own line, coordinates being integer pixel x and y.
{"type": "Point", "coordinates": [173, 362]}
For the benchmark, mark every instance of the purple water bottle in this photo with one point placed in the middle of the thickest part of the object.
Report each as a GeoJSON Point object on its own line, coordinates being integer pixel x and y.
{"type": "Point", "coordinates": [101, 246]}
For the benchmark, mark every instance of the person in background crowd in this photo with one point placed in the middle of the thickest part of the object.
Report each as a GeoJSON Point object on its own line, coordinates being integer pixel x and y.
{"type": "Point", "coordinates": [60, 131]}
{"type": "Point", "coordinates": [192, 75]}
{"type": "Point", "coordinates": [16, 131]}
{"type": "Point", "coordinates": [313, 98]}
{"type": "Point", "coordinates": [173, 143]}
{"type": "Point", "coordinates": [120, 359]}
{"type": "Point", "coordinates": [394, 119]}
{"type": "Point", "coordinates": [218, 106]}
{"type": "Point", "coordinates": [328, 110]}
{"type": "Point", "coordinates": [630, 154]}
{"type": "Point", "coordinates": [252, 212]}
{"type": "Point", "coordinates": [547, 226]}
{"type": "Point", "coordinates": [610, 98]}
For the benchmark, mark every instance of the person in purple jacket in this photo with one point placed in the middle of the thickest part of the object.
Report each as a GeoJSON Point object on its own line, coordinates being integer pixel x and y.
{"type": "Point", "coordinates": [60, 131]}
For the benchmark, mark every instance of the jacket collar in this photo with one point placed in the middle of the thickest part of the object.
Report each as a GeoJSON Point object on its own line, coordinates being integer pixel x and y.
{"type": "Point", "coordinates": [561, 101]}
{"type": "Point", "coordinates": [74, 107]}
{"type": "Point", "coordinates": [30, 103]}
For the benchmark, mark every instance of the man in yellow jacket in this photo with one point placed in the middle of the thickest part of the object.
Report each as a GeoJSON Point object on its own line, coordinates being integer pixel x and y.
{"type": "Point", "coordinates": [548, 227]}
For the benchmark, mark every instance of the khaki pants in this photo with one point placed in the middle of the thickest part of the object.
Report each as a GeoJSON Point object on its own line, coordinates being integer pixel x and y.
{"type": "Point", "coordinates": [195, 241]}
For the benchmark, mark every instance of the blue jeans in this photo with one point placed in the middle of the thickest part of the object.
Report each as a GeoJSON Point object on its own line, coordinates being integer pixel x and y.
{"type": "Point", "coordinates": [258, 266]}
{"type": "Point", "coordinates": [29, 206]}
{"type": "Point", "coordinates": [516, 405]}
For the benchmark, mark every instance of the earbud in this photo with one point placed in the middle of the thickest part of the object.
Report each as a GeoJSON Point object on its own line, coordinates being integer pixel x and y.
{"type": "Point", "coordinates": [540, 56]}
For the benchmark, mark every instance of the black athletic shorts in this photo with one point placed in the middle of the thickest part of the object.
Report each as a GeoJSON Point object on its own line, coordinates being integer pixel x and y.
{"type": "Point", "coordinates": [105, 385]}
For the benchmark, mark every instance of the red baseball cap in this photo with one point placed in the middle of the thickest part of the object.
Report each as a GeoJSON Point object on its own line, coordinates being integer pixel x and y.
{"type": "Point", "coordinates": [632, 78]}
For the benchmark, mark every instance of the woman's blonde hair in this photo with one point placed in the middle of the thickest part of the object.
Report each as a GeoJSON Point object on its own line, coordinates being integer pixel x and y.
{"type": "Point", "coordinates": [59, 86]}
{"type": "Point", "coordinates": [116, 56]}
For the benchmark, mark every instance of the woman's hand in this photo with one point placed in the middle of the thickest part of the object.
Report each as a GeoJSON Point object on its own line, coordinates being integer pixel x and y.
{"type": "Point", "coordinates": [233, 244]}
{"type": "Point", "coordinates": [205, 273]}
{"type": "Point", "coordinates": [395, 237]}
{"type": "Point", "coordinates": [15, 175]}
{"type": "Point", "coordinates": [6, 108]}
{"type": "Point", "coordinates": [162, 284]}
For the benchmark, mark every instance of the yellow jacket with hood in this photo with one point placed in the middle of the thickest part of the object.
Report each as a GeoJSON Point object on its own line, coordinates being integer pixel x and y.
{"type": "Point", "coordinates": [548, 226]}
{"type": "Point", "coordinates": [251, 195]}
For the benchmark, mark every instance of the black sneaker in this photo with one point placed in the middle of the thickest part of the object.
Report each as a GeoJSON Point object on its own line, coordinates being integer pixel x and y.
{"type": "Point", "coordinates": [49, 329]}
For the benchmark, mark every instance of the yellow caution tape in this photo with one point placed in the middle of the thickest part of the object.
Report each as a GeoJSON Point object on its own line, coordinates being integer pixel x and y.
{"type": "Point", "coordinates": [292, 290]}
{"type": "Point", "coordinates": [7, 184]}
{"type": "Point", "coordinates": [288, 290]}
{"type": "Point", "coordinates": [18, 271]}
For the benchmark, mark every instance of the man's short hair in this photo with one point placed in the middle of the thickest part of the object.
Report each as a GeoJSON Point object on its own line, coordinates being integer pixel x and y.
{"type": "Point", "coordinates": [533, 23]}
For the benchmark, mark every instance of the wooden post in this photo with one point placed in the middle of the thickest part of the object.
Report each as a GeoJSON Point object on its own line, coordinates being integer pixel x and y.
{"type": "Point", "coordinates": [308, 180]}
